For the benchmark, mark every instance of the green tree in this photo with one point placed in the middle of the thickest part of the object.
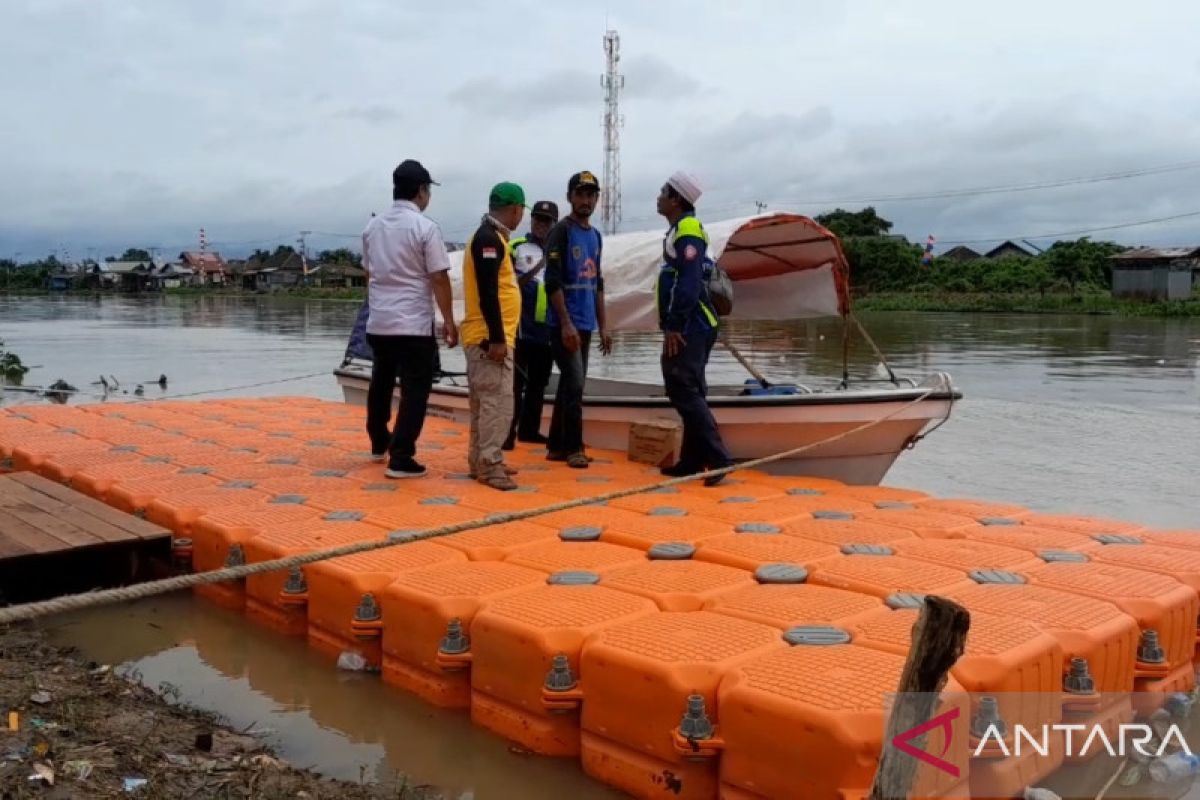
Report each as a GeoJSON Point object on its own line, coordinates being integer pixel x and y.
{"type": "Point", "coordinates": [844, 223]}
{"type": "Point", "coordinates": [878, 264]}
{"type": "Point", "coordinates": [1081, 263]}
{"type": "Point", "coordinates": [341, 255]}
{"type": "Point", "coordinates": [135, 254]}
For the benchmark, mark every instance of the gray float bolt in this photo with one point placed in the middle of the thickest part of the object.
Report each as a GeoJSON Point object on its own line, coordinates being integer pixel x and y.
{"type": "Point", "coordinates": [455, 641]}
{"type": "Point", "coordinates": [560, 678]}
{"type": "Point", "coordinates": [295, 582]}
{"type": "Point", "coordinates": [695, 723]}
{"type": "Point", "coordinates": [1079, 679]}
{"type": "Point", "coordinates": [988, 718]}
{"type": "Point", "coordinates": [1149, 650]}
{"type": "Point", "coordinates": [368, 609]}
{"type": "Point", "coordinates": [236, 557]}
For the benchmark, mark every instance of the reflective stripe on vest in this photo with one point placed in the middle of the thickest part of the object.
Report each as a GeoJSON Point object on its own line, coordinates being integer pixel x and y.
{"type": "Point", "coordinates": [539, 310]}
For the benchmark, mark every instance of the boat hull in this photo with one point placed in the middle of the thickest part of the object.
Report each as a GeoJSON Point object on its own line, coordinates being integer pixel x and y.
{"type": "Point", "coordinates": [751, 426]}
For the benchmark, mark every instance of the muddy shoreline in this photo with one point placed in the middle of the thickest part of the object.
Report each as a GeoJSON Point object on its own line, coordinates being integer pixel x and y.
{"type": "Point", "coordinates": [97, 732]}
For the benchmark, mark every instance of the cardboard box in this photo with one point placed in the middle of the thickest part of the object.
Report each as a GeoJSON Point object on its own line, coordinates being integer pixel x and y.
{"type": "Point", "coordinates": [655, 441]}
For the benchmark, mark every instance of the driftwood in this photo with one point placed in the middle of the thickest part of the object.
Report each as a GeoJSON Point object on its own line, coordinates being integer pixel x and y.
{"type": "Point", "coordinates": [938, 638]}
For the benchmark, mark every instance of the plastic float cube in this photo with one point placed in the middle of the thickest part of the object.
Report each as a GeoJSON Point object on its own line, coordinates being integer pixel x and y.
{"type": "Point", "coordinates": [344, 608]}
{"type": "Point", "coordinates": [429, 611]}
{"type": "Point", "coordinates": [279, 599]}
{"type": "Point", "coordinates": [824, 702]}
{"type": "Point", "coordinates": [526, 683]}
{"type": "Point", "coordinates": [1011, 670]}
{"type": "Point", "coordinates": [650, 711]}
{"type": "Point", "coordinates": [841, 529]}
{"type": "Point", "coordinates": [875, 570]}
{"type": "Point", "coordinates": [674, 580]}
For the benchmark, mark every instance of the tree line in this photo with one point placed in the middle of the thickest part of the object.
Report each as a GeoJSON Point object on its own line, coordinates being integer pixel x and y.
{"type": "Point", "coordinates": [879, 263]}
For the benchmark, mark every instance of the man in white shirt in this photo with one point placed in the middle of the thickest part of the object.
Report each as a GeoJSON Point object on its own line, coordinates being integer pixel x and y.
{"type": "Point", "coordinates": [407, 269]}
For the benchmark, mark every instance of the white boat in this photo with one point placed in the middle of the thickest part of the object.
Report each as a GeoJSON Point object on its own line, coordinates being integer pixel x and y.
{"type": "Point", "coordinates": [783, 266]}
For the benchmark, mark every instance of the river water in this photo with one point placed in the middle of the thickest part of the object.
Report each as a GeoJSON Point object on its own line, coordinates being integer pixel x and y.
{"type": "Point", "coordinates": [1072, 414]}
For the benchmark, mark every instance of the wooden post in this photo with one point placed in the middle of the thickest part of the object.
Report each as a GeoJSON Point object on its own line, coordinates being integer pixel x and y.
{"type": "Point", "coordinates": [938, 638]}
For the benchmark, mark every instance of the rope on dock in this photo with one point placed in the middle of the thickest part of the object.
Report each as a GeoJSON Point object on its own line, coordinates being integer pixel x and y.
{"type": "Point", "coordinates": [139, 591]}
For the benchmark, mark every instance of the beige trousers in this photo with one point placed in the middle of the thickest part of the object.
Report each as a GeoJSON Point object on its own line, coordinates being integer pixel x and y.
{"type": "Point", "coordinates": [490, 388]}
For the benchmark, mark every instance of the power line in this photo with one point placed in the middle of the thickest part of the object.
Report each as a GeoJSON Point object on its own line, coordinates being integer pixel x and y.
{"type": "Point", "coordinates": [1009, 188]}
{"type": "Point", "coordinates": [1079, 232]}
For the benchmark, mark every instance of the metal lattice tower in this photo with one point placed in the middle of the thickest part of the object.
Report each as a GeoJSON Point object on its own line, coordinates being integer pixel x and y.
{"type": "Point", "coordinates": [612, 81]}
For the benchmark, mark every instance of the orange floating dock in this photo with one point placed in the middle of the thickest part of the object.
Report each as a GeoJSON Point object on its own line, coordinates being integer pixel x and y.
{"type": "Point", "coordinates": [686, 642]}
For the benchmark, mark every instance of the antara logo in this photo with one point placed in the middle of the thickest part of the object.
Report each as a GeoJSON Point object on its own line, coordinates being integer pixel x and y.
{"type": "Point", "coordinates": [903, 741]}
{"type": "Point", "coordinates": [1135, 734]}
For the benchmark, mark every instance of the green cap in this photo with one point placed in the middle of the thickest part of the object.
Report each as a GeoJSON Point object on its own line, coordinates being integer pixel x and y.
{"type": "Point", "coordinates": [506, 194]}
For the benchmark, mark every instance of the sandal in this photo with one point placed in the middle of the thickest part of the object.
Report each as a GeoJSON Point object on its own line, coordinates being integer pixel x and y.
{"type": "Point", "coordinates": [578, 461]}
{"type": "Point", "coordinates": [502, 483]}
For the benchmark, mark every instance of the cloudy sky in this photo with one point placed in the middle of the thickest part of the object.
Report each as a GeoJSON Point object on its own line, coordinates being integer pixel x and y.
{"type": "Point", "coordinates": [137, 122]}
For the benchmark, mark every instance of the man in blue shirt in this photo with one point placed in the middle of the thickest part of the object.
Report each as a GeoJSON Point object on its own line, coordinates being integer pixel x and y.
{"type": "Point", "coordinates": [534, 359]}
{"type": "Point", "coordinates": [575, 289]}
{"type": "Point", "coordinates": [690, 325]}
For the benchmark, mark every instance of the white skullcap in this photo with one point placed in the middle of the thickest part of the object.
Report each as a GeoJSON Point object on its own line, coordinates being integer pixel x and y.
{"type": "Point", "coordinates": [687, 184]}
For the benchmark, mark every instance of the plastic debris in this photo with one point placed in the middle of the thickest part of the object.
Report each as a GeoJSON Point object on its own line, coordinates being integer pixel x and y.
{"type": "Point", "coordinates": [42, 772]}
{"type": "Point", "coordinates": [40, 698]}
{"type": "Point", "coordinates": [1132, 776]}
{"type": "Point", "coordinates": [133, 784]}
{"type": "Point", "coordinates": [204, 742]}
{"type": "Point", "coordinates": [351, 661]}
{"type": "Point", "coordinates": [1173, 767]}
{"type": "Point", "coordinates": [80, 770]}
{"type": "Point", "coordinates": [177, 760]}
{"type": "Point", "coordinates": [14, 721]}
{"type": "Point", "coordinates": [1032, 793]}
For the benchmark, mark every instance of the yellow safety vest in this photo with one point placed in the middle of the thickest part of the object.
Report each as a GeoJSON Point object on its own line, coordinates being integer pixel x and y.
{"type": "Point", "coordinates": [539, 309]}
{"type": "Point", "coordinates": [473, 329]}
{"type": "Point", "coordinates": [688, 226]}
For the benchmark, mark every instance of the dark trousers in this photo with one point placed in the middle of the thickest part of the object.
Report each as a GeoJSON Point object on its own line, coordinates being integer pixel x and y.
{"type": "Point", "coordinates": [683, 378]}
{"type": "Point", "coordinates": [566, 423]}
{"type": "Point", "coordinates": [412, 358]}
{"type": "Point", "coordinates": [534, 362]}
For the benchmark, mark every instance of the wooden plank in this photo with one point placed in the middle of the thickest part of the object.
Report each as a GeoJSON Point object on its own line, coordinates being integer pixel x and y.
{"type": "Point", "coordinates": [56, 518]}
{"type": "Point", "coordinates": [23, 535]}
{"type": "Point", "coordinates": [938, 638]}
{"type": "Point", "coordinates": [135, 526]}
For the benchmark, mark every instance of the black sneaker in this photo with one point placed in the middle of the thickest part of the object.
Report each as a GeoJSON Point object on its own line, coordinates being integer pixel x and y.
{"type": "Point", "coordinates": [713, 480]}
{"type": "Point", "coordinates": [509, 444]}
{"type": "Point", "coordinates": [678, 471]}
{"type": "Point", "coordinates": [404, 468]}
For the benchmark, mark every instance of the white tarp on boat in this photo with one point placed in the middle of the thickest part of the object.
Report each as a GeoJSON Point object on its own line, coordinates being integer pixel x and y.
{"type": "Point", "coordinates": [783, 266]}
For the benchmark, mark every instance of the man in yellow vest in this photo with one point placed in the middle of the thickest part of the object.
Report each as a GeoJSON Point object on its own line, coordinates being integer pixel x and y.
{"type": "Point", "coordinates": [489, 332]}
{"type": "Point", "coordinates": [534, 357]}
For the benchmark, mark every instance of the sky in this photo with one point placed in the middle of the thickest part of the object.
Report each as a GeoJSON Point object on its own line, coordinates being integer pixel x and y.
{"type": "Point", "coordinates": [138, 122]}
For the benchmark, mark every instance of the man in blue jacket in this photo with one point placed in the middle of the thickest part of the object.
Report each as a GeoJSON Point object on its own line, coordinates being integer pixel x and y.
{"type": "Point", "coordinates": [690, 325]}
{"type": "Point", "coordinates": [575, 291]}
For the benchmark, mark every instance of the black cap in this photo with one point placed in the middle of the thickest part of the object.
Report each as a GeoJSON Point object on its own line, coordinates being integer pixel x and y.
{"type": "Point", "coordinates": [585, 179]}
{"type": "Point", "coordinates": [545, 208]}
{"type": "Point", "coordinates": [411, 171]}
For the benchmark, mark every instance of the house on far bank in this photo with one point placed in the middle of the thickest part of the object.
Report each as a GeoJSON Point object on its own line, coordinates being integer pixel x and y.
{"type": "Point", "coordinates": [284, 269]}
{"type": "Point", "coordinates": [960, 253]}
{"type": "Point", "coordinates": [339, 276]}
{"type": "Point", "coordinates": [1156, 273]}
{"type": "Point", "coordinates": [207, 267]}
{"type": "Point", "coordinates": [1008, 249]}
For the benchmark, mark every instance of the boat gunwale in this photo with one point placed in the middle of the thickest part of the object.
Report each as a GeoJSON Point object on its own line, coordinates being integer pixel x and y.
{"type": "Point", "coordinates": [832, 398]}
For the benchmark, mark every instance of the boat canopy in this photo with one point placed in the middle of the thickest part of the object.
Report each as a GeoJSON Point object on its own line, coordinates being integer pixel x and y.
{"type": "Point", "coordinates": [783, 266]}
